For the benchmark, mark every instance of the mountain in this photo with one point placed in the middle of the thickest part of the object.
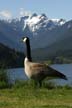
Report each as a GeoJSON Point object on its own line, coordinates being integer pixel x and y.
{"type": "Point", "coordinates": [47, 36]}
{"type": "Point", "coordinates": [38, 27]}
{"type": "Point", "coordinates": [8, 36]}
{"type": "Point", "coordinates": [61, 47]}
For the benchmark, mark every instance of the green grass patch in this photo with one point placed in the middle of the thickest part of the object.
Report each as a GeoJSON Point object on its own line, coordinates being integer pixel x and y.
{"type": "Point", "coordinates": [3, 79]}
{"type": "Point", "coordinates": [25, 95]}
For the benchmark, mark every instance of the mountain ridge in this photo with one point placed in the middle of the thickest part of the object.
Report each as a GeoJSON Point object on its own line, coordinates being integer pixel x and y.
{"type": "Point", "coordinates": [42, 31]}
{"type": "Point", "coordinates": [32, 26]}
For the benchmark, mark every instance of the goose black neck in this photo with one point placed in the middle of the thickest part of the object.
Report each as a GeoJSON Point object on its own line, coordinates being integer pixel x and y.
{"type": "Point", "coordinates": [28, 50]}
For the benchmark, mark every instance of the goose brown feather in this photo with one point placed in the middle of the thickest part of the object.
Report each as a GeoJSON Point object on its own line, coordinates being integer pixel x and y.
{"type": "Point", "coordinates": [39, 71]}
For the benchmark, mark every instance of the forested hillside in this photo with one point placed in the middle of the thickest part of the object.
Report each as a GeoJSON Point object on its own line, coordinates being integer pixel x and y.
{"type": "Point", "coordinates": [10, 58]}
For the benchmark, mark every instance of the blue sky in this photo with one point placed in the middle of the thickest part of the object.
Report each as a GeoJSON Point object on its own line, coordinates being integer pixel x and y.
{"type": "Point", "coordinates": [52, 8]}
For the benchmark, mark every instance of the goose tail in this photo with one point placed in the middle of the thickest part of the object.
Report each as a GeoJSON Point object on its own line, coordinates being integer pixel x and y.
{"type": "Point", "coordinates": [57, 74]}
{"type": "Point", "coordinates": [61, 75]}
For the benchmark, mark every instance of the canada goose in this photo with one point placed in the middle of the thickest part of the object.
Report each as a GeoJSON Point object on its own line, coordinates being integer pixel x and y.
{"type": "Point", "coordinates": [38, 71]}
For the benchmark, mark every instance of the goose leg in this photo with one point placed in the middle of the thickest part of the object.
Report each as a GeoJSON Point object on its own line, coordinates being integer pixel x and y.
{"type": "Point", "coordinates": [37, 83]}
{"type": "Point", "coordinates": [40, 83]}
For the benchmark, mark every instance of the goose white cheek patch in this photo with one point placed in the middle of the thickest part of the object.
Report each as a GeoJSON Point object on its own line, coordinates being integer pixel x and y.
{"type": "Point", "coordinates": [24, 39]}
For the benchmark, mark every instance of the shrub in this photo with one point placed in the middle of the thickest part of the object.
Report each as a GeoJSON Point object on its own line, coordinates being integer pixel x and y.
{"type": "Point", "coordinates": [3, 78]}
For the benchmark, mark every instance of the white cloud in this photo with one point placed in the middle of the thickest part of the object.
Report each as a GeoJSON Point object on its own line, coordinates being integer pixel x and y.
{"type": "Point", "coordinates": [23, 12]}
{"type": "Point", "coordinates": [5, 14]}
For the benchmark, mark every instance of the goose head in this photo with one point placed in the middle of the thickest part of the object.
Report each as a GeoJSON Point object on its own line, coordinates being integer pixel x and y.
{"type": "Point", "coordinates": [25, 40]}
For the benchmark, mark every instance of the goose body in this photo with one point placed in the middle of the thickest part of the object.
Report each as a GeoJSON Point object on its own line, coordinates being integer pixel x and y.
{"type": "Point", "coordinates": [38, 71]}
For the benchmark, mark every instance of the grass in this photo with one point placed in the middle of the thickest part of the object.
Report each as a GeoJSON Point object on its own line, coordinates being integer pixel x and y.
{"type": "Point", "coordinates": [24, 95]}
{"type": "Point", "coordinates": [3, 78]}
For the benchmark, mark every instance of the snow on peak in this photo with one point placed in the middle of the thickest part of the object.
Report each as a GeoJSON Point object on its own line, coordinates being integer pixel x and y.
{"type": "Point", "coordinates": [35, 22]}
{"type": "Point", "coordinates": [59, 21]}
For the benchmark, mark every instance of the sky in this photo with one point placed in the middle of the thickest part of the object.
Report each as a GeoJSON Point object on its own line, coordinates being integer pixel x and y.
{"type": "Point", "coordinates": [52, 8]}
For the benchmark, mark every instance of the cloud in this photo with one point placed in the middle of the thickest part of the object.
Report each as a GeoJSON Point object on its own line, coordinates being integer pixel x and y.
{"type": "Point", "coordinates": [24, 13]}
{"type": "Point", "coordinates": [5, 14]}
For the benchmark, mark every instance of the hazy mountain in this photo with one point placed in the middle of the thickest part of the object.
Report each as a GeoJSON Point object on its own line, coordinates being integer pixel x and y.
{"type": "Point", "coordinates": [61, 47]}
{"type": "Point", "coordinates": [47, 36]}
{"type": "Point", "coordinates": [8, 36]}
{"type": "Point", "coordinates": [39, 28]}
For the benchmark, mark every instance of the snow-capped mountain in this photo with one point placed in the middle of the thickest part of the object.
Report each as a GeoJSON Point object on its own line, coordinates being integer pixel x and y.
{"type": "Point", "coordinates": [36, 22]}
{"type": "Point", "coordinates": [42, 30]}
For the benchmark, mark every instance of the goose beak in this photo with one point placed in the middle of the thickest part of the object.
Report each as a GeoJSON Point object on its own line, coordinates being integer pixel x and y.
{"type": "Point", "coordinates": [21, 40]}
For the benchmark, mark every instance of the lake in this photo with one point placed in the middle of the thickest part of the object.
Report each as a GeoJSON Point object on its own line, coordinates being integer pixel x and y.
{"type": "Point", "coordinates": [19, 74]}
